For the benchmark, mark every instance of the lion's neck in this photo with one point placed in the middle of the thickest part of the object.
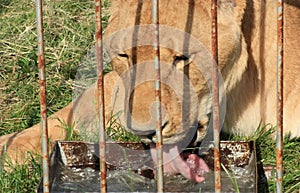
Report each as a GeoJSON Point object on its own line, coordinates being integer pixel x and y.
{"type": "Point", "coordinates": [246, 101]}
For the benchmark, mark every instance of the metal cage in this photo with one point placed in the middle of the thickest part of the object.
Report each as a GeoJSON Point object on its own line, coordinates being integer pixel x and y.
{"type": "Point", "coordinates": [100, 82]}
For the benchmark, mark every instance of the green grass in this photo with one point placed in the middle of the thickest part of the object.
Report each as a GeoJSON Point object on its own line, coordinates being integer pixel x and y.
{"type": "Point", "coordinates": [117, 132]}
{"type": "Point", "coordinates": [230, 173]}
{"type": "Point", "coordinates": [21, 178]}
{"type": "Point", "coordinates": [69, 35]}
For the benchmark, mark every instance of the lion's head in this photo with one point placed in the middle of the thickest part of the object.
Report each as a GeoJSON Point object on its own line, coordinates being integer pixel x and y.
{"type": "Point", "coordinates": [185, 59]}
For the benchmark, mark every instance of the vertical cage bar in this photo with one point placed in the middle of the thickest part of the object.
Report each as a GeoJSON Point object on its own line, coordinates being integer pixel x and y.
{"type": "Point", "coordinates": [216, 110]}
{"type": "Point", "coordinates": [160, 177]}
{"type": "Point", "coordinates": [100, 101]}
{"type": "Point", "coordinates": [279, 131]}
{"type": "Point", "coordinates": [43, 100]}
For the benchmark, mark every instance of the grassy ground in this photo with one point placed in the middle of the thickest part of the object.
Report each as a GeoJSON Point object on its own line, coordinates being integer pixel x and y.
{"type": "Point", "coordinates": [69, 31]}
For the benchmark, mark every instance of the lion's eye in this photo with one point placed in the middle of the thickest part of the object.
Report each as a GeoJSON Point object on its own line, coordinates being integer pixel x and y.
{"type": "Point", "coordinates": [123, 55]}
{"type": "Point", "coordinates": [180, 60]}
{"type": "Point", "coordinates": [181, 57]}
{"type": "Point", "coordinates": [121, 63]}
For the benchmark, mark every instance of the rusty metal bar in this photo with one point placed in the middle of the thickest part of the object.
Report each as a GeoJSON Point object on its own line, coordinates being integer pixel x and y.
{"type": "Point", "coordinates": [216, 110]}
{"type": "Point", "coordinates": [100, 100]}
{"type": "Point", "coordinates": [279, 133]}
{"type": "Point", "coordinates": [43, 101]}
{"type": "Point", "coordinates": [159, 144]}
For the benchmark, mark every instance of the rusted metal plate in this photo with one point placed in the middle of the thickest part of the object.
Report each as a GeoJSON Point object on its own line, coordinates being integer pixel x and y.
{"type": "Point", "coordinates": [136, 158]}
{"type": "Point", "coordinates": [237, 154]}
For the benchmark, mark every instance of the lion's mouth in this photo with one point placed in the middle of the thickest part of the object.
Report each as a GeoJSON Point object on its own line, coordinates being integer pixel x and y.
{"type": "Point", "coordinates": [176, 161]}
{"type": "Point", "coordinates": [189, 165]}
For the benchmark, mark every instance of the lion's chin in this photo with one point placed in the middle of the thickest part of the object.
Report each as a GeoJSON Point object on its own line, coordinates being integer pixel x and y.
{"type": "Point", "coordinates": [189, 165]}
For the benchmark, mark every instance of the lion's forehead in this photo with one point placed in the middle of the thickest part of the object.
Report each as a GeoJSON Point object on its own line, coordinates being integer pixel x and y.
{"type": "Point", "coordinates": [176, 13]}
{"type": "Point", "coordinates": [177, 18]}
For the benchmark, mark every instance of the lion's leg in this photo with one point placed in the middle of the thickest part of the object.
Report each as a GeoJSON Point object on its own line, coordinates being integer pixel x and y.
{"type": "Point", "coordinates": [16, 145]}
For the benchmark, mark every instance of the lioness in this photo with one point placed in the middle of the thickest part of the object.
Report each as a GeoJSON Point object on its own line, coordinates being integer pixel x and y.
{"type": "Point", "coordinates": [247, 61]}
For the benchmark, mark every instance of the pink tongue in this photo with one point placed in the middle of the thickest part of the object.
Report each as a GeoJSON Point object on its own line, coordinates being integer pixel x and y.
{"type": "Point", "coordinates": [192, 168]}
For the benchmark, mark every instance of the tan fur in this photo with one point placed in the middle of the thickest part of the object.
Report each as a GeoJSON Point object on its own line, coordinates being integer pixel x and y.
{"type": "Point", "coordinates": [247, 60]}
